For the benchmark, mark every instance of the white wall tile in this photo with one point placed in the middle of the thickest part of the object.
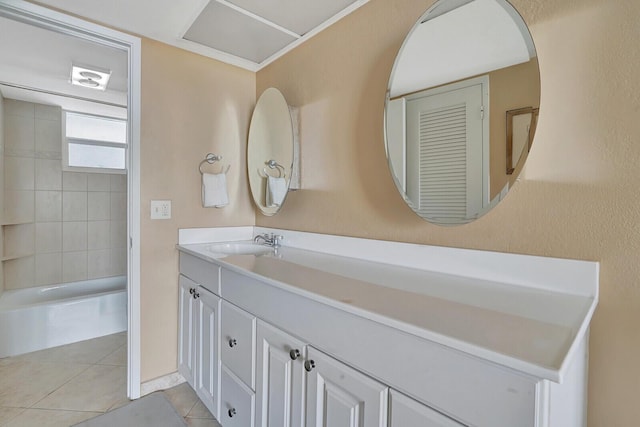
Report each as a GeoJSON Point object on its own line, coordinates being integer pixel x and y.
{"type": "Point", "coordinates": [48, 136]}
{"type": "Point", "coordinates": [19, 273]}
{"type": "Point", "coordinates": [19, 206]}
{"type": "Point", "coordinates": [99, 206]}
{"type": "Point", "coordinates": [99, 182]}
{"type": "Point", "coordinates": [48, 268]}
{"type": "Point", "coordinates": [119, 183]}
{"type": "Point", "coordinates": [118, 234]}
{"type": "Point", "coordinates": [98, 235]}
{"type": "Point", "coordinates": [19, 173]}
{"type": "Point", "coordinates": [48, 237]}
{"type": "Point", "coordinates": [19, 239]}
{"type": "Point", "coordinates": [48, 174]}
{"type": "Point", "coordinates": [14, 107]}
{"type": "Point", "coordinates": [98, 263]}
{"type": "Point", "coordinates": [74, 206]}
{"type": "Point", "coordinates": [48, 112]}
{"type": "Point", "coordinates": [74, 266]}
{"type": "Point", "coordinates": [48, 206]}
{"type": "Point", "coordinates": [119, 262]}
{"type": "Point", "coordinates": [19, 133]}
{"type": "Point", "coordinates": [74, 236]}
{"type": "Point", "coordinates": [119, 206]}
{"type": "Point", "coordinates": [74, 181]}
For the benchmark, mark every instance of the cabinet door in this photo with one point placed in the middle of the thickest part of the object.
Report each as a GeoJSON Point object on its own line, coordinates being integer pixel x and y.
{"type": "Point", "coordinates": [340, 396]}
{"type": "Point", "coordinates": [406, 412]}
{"type": "Point", "coordinates": [207, 336]}
{"type": "Point", "coordinates": [186, 343]}
{"type": "Point", "coordinates": [279, 378]}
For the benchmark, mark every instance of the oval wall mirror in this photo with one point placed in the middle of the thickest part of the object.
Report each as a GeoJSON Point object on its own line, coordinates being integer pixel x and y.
{"type": "Point", "coordinates": [270, 151]}
{"type": "Point", "coordinates": [461, 109]}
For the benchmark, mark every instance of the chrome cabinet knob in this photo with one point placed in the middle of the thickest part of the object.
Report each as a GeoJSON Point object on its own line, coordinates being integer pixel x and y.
{"type": "Point", "coordinates": [233, 342]}
{"type": "Point", "coordinates": [192, 290]}
{"type": "Point", "coordinates": [232, 412]}
{"type": "Point", "coordinates": [309, 365]}
{"type": "Point", "coordinates": [294, 354]}
{"type": "Point", "coordinates": [195, 295]}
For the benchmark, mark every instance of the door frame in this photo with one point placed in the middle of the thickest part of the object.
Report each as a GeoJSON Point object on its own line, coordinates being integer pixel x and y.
{"type": "Point", "coordinates": [42, 17]}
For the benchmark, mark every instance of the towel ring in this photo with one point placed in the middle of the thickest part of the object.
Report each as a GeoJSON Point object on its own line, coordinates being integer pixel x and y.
{"type": "Point", "coordinates": [273, 165]}
{"type": "Point", "coordinates": [211, 159]}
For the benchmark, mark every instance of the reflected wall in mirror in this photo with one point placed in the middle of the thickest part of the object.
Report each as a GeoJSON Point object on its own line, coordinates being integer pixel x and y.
{"type": "Point", "coordinates": [270, 151]}
{"type": "Point", "coordinates": [463, 66]}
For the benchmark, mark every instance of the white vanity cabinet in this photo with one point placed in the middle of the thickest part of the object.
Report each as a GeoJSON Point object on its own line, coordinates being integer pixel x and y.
{"type": "Point", "coordinates": [198, 332]}
{"type": "Point", "coordinates": [315, 339]}
{"type": "Point", "coordinates": [280, 378]}
{"type": "Point", "coordinates": [340, 396]}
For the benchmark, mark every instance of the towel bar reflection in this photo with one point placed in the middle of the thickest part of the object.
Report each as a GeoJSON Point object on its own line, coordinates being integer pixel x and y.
{"type": "Point", "coordinates": [211, 159]}
{"type": "Point", "coordinates": [273, 165]}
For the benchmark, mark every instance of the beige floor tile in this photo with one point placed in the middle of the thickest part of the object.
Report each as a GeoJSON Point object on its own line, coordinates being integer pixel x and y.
{"type": "Point", "coordinates": [182, 397]}
{"type": "Point", "coordinates": [98, 388]}
{"type": "Point", "coordinates": [202, 422]}
{"type": "Point", "coordinates": [116, 358]}
{"type": "Point", "coordinates": [49, 418]}
{"type": "Point", "coordinates": [23, 383]}
{"type": "Point", "coordinates": [199, 411]}
{"type": "Point", "coordinates": [88, 352]}
{"type": "Point", "coordinates": [7, 414]}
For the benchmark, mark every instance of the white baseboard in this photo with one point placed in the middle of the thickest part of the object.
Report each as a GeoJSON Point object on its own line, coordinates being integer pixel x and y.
{"type": "Point", "coordinates": [161, 383]}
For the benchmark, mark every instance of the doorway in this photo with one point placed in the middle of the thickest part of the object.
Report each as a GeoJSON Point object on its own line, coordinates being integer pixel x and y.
{"type": "Point", "coordinates": [52, 92]}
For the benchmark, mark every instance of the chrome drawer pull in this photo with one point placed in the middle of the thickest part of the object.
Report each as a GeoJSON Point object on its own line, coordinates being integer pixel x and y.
{"type": "Point", "coordinates": [233, 342]}
{"type": "Point", "coordinates": [232, 412]}
{"type": "Point", "coordinates": [309, 365]}
{"type": "Point", "coordinates": [294, 354]}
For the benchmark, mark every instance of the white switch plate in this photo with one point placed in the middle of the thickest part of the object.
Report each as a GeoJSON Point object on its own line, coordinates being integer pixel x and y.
{"type": "Point", "coordinates": [161, 209]}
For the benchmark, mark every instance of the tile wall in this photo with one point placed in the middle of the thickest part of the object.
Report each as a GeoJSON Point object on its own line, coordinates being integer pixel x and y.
{"type": "Point", "coordinates": [1, 190]}
{"type": "Point", "coordinates": [59, 226]}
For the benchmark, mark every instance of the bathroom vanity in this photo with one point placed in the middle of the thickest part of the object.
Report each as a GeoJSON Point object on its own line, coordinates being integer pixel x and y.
{"type": "Point", "coordinates": [337, 331]}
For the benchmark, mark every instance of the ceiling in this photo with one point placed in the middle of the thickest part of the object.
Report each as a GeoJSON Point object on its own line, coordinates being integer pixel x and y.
{"type": "Point", "coordinates": [35, 64]}
{"type": "Point", "coordinates": [247, 33]}
{"type": "Point", "coordinates": [466, 40]}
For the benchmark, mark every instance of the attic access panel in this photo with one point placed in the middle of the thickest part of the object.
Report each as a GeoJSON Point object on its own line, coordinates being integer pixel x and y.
{"type": "Point", "coordinates": [228, 30]}
{"type": "Point", "coordinates": [297, 16]}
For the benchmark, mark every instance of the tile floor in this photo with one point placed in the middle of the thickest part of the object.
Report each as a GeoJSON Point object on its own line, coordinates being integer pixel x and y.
{"type": "Point", "coordinates": [62, 386]}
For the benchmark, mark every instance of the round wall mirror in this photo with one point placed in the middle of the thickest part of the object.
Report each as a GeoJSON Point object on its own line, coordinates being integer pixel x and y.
{"type": "Point", "coordinates": [461, 109]}
{"type": "Point", "coordinates": [270, 151]}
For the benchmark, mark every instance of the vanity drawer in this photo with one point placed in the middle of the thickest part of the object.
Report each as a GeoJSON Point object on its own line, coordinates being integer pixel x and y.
{"type": "Point", "coordinates": [238, 342]}
{"type": "Point", "coordinates": [200, 271]}
{"type": "Point", "coordinates": [237, 402]}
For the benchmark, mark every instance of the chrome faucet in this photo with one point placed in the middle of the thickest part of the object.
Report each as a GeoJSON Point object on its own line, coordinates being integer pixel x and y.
{"type": "Point", "coordinates": [271, 239]}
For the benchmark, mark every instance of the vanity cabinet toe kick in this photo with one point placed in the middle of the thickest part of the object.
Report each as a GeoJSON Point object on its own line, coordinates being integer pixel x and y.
{"type": "Point", "coordinates": [423, 377]}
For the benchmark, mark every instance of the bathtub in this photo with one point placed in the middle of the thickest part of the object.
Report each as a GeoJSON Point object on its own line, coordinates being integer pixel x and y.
{"type": "Point", "coordinates": [48, 316]}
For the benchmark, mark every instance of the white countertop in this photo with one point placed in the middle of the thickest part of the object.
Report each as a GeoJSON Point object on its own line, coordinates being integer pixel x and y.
{"type": "Point", "coordinates": [526, 328]}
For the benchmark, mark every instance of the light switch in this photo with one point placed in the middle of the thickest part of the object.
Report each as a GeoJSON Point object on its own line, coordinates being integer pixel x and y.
{"type": "Point", "coordinates": [161, 209]}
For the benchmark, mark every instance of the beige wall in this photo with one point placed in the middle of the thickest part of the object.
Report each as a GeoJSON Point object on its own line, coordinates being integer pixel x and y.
{"type": "Point", "coordinates": [191, 105]}
{"type": "Point", "coordinates": [577, 198]}
{"type": "Point", "coordinates": [510, 88]}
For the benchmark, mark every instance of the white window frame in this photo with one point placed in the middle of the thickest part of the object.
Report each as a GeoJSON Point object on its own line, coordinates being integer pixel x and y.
{"type": "Point", "coordinates": [65, 147]}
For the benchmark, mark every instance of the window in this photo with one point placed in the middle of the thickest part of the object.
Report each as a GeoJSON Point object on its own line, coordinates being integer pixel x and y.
{"type": "Point", "coordinates": [94, 143]}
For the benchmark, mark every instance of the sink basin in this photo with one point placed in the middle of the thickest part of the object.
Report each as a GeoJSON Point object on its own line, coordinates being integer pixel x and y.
{"type": "Point", "coordinates": [237, 248]}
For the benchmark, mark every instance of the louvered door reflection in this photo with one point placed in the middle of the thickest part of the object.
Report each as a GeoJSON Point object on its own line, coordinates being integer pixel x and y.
{"type": "Point", "coordinates": [445, 155]}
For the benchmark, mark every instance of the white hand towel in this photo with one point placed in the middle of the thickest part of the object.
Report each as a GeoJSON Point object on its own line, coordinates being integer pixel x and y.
{"type": "Point", "coordinates": [276, 191]}
{"type": "Point", "coordinates": [214, 190]}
